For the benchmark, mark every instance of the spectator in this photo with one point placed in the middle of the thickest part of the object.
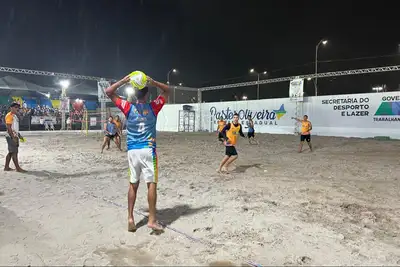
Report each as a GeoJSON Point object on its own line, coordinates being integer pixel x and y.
{"type": "Point", "coordinates": [69, 127]}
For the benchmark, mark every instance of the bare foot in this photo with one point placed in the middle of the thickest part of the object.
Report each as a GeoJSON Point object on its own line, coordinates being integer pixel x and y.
{"type": "Point", "coordinates": [158, 229]}
{"type": "Point", "coordinates": [8, 169]}
{"type": "Point", "coordinates": [131, 226]}
{"type": "Point", "coordinates": [21, 170]}
{"type": "Point", "coordinates": [108, 148]}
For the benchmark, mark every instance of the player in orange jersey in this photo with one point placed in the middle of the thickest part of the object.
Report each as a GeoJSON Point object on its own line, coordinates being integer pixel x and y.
{"type": "Point", "coordinates": [118, 136]}
{"type": "Point", "coordinates": [221, 125]}
{"type": "Point", "coordinates": [305, 132]}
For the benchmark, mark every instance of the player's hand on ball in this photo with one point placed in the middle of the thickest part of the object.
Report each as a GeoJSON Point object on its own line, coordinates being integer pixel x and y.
{"type": "Point", "coordinates": [150, 80]}
{"type": "Point", "coordinates": [126, 79]}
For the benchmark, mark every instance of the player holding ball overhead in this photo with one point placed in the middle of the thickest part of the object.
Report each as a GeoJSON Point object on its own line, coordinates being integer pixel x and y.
{"type": "Point", "coordinates": [141, 119]}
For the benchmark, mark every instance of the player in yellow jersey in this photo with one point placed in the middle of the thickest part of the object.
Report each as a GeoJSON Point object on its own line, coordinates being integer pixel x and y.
{"type": "Point", "coordinates": [230, 134]}
{"type": "Point", "coordinates": [221, 125]}
{"type": "Point", "coordinates": [305, 132]}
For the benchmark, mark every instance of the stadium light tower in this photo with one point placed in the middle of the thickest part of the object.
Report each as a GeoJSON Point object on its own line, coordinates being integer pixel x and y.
{"type": "Point", "coordinates": [64, 101]}
{"type": "Point", "coordinates": [258, 80]}
{"type": "Point", "coordinates": [65, 83]}
{"type": "Point", "coordinates": [64, 86]}
{"type": "Point", "coordinates": [324, 42]}
{"type": "Point", "coordinates": [169, 73]}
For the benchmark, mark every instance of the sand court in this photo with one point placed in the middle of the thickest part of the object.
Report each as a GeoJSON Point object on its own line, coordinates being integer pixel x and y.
{"type": "Point", "coordinates": [336, 206]}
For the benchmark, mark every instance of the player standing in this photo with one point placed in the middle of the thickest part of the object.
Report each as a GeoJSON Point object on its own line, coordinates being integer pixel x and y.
{"type": "Point", "coordinates": [305, 132]}
{"type": "Point", "coordinates": [13, 137]}
{"type": "Point", "coordinates": [110, 130]}
{"type": "Point", "coordinates": [251, 131]}
{"type": "Point", "coordinates": [118, 136]}
{"type": "Point", "coordinates": [230, 133]}
{"type": "Point", "coordinates": [141, 119]}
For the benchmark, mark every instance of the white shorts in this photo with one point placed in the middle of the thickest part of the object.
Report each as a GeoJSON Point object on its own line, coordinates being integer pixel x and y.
{"type": "Point", "coordinates": [143, 162]}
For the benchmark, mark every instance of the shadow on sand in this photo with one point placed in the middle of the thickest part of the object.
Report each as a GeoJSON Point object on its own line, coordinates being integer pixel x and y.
{"type": "Point", "coordinates": [170, 215]}
{"type": "Point", "coordinates": [57, 175]}
{"type": "Point", "coordinates": [243, 168]}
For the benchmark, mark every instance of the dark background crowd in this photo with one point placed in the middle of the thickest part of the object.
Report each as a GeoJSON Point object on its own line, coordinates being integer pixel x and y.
{"type": "Point", "coordinates": [28, 112]}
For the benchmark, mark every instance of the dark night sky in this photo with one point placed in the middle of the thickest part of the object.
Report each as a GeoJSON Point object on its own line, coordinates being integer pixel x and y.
{"type": "Point", "coordinates": [206, 40]}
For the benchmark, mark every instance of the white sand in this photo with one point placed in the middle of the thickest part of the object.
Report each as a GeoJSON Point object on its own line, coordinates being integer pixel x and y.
{"type": "Point", "coordinates": [336, 206]}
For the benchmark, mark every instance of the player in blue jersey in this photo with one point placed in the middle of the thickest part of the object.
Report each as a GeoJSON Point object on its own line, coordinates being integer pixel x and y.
{"type": "Point", "coordinates": [110, 132]}
{"type": "Point", "coordinates": [251, 131]}
{"type": "Point", "coordinates": [141, 119]}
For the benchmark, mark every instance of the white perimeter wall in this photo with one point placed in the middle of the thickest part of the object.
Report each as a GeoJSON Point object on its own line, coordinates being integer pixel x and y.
{"type": "Point", "coordinates": [337, 115]}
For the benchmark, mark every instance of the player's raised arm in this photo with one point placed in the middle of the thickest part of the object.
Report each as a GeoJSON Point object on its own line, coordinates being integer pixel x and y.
{"type": "Point", "coordinates": [122, 104]}
{"type": "Point", "coordinates": [296, 119]}
{"type": "Point", "coordinates": [159, 102]}
{"type": "Point", "coordinates": [163, 87]}
{"type": "Point", "coordinates": [111, 91]}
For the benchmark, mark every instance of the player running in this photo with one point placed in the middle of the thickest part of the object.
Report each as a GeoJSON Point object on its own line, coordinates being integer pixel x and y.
{"type": "Point", "coordinates": [251, 132]}
{"type": "Point", "coordinates": [221, 125]}
{"type": "Point", "coordinates": [230, 134]}
{"type": "Point", "coordinates": [306, 128]}
{"type": "Point", "coordinates": [141, 119]}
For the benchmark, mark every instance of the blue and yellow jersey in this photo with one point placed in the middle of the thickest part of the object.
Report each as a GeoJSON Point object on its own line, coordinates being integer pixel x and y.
{"type": "Point", "coordinates": [141, 120]}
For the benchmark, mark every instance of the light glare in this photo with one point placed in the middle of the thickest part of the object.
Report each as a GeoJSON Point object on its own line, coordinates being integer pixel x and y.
{"type": "Point", "coordinates": [64, 84]}
{"type": "Point", "coordinates": [129, 90]}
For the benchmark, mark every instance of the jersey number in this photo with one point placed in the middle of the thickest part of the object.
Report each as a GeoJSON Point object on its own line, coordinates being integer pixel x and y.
{"type": "Point", "coordinates": [141, 127]}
